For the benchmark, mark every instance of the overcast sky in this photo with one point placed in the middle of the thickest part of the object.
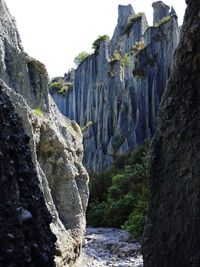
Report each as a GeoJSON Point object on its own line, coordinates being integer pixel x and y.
{"type": "Point", "coordinates": [54, 32]}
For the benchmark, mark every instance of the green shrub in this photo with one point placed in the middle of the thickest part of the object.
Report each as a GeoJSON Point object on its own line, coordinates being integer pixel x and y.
{"type": "Point", "coordinates": [59, 86]}
{"type": "Point", "coordinates": [163, 21]}
{"type": "Point", "coordinates": [116, 56]}
{"type": "Point", "coordinates": [99, 185]}
{"type": "Point", "coordinates": [135, 224]}
{"type": "Point", "coordinates": [136, 221]}
{"type": "Point", "coordinates": [132, 21]}
{"type": "Point", "coordinates": [90, 123]}
{"type": "Point", "coordinates": [119, 197]}
{"type": "Point", "coordinates": [138, 46]}
{"type": "Point", "coordinates": [81, 57]}
{"type": "Point", "coordinates": [70, 86]}
{"type": "Point", "coordinates": [38, 112]}
{"type": "Point", "coordinates": [96, 43]}
{"type": "Point", "coordinates": [124, 59]}
{"type": "Point", "coordinates": [96, 214]}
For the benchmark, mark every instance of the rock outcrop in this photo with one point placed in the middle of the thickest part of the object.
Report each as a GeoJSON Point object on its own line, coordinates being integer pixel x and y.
{"type": "Point", "coordinates": [117, 90]}
{"type": "Point", "coordinates": [25, 235]}
{"type": "Point", "coordinates": [56, 148]}
{"type": "Point", "coordinates": [171, 237]}
{"type": "Point", "coordinates": [60, 89]}
{"type": "Point", "coordinates": [160, 11]}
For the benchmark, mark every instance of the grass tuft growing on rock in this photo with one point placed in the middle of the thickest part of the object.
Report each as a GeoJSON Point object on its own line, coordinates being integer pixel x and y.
{"type": "Point", "coordinates": [38, 112]}
{"type": "Point", "coordinates": [163, 21]}
{"type": "Point", "coordinates": [84, 128]}
{"type": "Point", "coordinates": [132, 21]}
{"type": "Point", "coordinates": [96, 43]}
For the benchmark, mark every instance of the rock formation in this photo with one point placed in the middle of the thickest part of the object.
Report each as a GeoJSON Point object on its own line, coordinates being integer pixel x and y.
{"type": "Point", "coordinates": [171, 237]}
{"type": "Point", "coordinates": [117, 90]}
{"type": "Point", "coordinates": [56, 152]}
{"type": "Point", "coordinates": [24, 220]}
{"type": "Point", "coordinates": [160, 11]}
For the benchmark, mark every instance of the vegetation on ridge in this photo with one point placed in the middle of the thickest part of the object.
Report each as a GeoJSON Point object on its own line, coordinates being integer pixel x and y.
{"type": "Point", "coordinates": [38, 112]}
{"type": "Point", "coordinates": [60, 86]}
{"type": "Point", "coordinates": [163, 21]}
{"type": "Point", "coordinates": [96, 43]}
{"type": "Point", "coordinates": [90, 123]}
{"type": "Point", "coordinates": [124, 59]}
{"type": "Point", "coordinates": [119, 196]}
{"type": "Point", "coordinates": [81, 57]}
{"type": "Point", "coordinates": [132, 21]}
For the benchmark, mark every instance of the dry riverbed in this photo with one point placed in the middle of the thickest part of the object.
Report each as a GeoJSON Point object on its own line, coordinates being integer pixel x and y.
{"type": "Point", "coordinates": [109, 247]}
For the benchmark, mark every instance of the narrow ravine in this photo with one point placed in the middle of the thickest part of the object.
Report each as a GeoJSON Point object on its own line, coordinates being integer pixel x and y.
{"type": "Point", "coordinates": [109, 247]}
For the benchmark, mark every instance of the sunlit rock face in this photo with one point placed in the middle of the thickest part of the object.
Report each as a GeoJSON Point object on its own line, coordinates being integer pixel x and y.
{"type": "Point", "coordinates": [171, 236]}
{"type": "Point", "coordinates": [55, 142]}
{"type": "Point", "coordinates": [117, 90]}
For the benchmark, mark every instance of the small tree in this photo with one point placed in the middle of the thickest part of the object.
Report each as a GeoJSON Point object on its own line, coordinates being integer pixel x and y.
{"type": "Point", "coordinates": [96, 43]}
{"type": "Point", "coordinates": [80, 58]}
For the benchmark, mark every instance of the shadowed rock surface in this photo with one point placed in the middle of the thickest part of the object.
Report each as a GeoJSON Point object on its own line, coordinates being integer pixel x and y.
{"type": "Point", "coordinates": [55, 143]}
{"type": "Point", "coordinates": [118, 89]}
{"type": "Point", "coordinates": [160, 11]}
{"type": "Point", "coordinates": [25, 235]}
{"type": "Point", "coordinates": [171, 237]}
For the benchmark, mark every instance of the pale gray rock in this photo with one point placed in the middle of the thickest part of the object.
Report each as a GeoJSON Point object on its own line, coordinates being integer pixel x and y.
{"type": "Point", "coordinates": [55, 141]}
{"type": "Point", "coordinates": [109, 247]}
{"type": "Point", "coordinates": [124, 14]}
{"type": "Point", "coordinates": [161, 10]}
{"type": "Point", "coordinates": [119, 89]}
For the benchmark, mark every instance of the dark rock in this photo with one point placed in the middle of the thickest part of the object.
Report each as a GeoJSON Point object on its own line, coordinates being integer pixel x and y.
{"type": "Point", "coordinates": [37, 230]}
{"type": "Point", "coordinates": [24, 214]}
{"type": "Point", "coordinates": [171, 237]}
{"type": "Point", "coordinates": [11, 236]}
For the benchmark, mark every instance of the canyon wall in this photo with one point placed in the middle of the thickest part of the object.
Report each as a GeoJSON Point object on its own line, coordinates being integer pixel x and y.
{"type": "Point", "coordinates": [117, 90]}
{"type": "Point", "coordinates": [171, 236]}
{"type": "Point", "coordinates": [54, 162]}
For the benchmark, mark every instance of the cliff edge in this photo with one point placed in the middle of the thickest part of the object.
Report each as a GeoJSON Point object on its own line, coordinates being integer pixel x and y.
{"type": "Point", "coordinates": [55, 145]}
{"type": "Point", "coordinates": [117, 90]}
{"type": "Point", "coordinates": [171, 236]}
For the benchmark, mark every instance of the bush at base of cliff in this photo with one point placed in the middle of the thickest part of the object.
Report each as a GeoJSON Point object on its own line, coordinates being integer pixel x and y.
{"type": "Point", "coordinates": [119, 197]}
{"type": "Point", "coordinates": [136, 220]}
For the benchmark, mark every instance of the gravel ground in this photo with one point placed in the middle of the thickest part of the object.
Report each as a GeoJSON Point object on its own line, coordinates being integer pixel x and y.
{"type": "Point", "coordinates": [109, 247]}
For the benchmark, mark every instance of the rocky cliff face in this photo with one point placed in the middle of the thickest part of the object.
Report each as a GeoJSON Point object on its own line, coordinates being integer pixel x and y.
{"type": "Point", "coordinates": [25, 235]}
{"type": "Point", "coordinates": [55, 143]}
{"type": "Point", "coordinates": [171, 237]}
{"type": "Point", "coordinates": [117, 90]}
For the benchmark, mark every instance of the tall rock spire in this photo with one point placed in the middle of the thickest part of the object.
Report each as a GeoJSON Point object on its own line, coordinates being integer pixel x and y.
{"type": "Point", "coordinates": [161, 10]}
{"type": "Point", "coordinates": [124, 13]}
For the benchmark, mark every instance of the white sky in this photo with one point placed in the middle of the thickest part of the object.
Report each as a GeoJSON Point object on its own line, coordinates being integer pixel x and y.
{"type": "Point", "coordinates": [54, 32]}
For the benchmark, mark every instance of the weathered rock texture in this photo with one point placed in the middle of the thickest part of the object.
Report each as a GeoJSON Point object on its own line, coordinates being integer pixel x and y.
{"type": "Point", "coordinates": [25, 236]}
{"type": "Point", "coordinates": [55, 143]}
{"type": "Point", "coordinates": [171, 237]}
{"type": "Point", "coordinates": [118, 89]}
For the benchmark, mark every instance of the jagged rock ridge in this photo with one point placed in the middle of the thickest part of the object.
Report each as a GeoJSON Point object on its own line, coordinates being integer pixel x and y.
{"type": "Point", "coordinates": [117, 90]}
{"type": "Point", "coordinates": [55, 143]}
{"type": "Point", "coordinates": [171, 237]}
